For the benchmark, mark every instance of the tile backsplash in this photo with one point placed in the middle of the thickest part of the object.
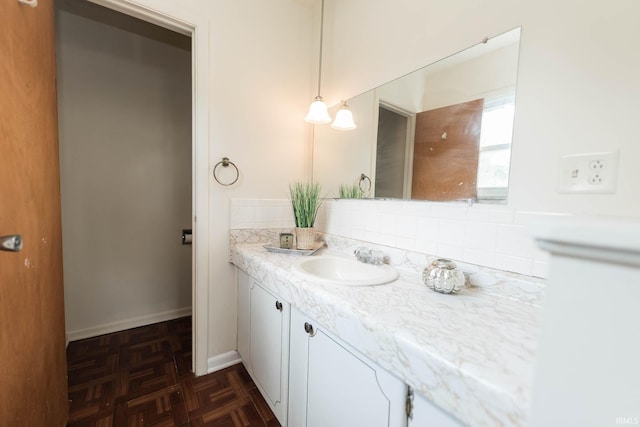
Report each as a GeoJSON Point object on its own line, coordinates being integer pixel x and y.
{"type": "Point", "coordinates": [260, 213]}
{"type": "Point", "coordinates": [486, 235]}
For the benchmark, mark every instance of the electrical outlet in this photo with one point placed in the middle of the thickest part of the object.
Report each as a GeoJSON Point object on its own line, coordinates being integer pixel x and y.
{"type": "Point", "coordinates": [588, 173]}
{"type": "Point", "coordinates": [595, 179]}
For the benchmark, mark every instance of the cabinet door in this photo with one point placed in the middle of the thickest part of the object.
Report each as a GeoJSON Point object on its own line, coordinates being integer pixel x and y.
{"type": "Point", "coordinates": [298, 368]}
{"type": "Point", "coordinates": [343, 388]}
{"type": "Point", "coordinates": [269, 342]}
{"type": "Point", "coordinates": [426, 414]}
{"type": "Point", "coordinates": [244, 318]}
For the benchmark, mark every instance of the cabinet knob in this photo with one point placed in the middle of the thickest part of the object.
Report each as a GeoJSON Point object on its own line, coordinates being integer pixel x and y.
{"type": "Point", "coordinates": [308, 328]}
{"type": "Point", "coordinates": [278, 306]}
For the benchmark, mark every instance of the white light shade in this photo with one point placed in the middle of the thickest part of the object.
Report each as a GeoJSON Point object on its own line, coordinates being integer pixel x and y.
{"type": "Point", "coordinates": [344, 119]}
{"type": "Point", "coordinates": [318, 112]}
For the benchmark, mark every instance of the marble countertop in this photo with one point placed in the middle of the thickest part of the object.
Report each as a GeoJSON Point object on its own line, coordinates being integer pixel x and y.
{"type": "Point", "coordinates": [472, 354]}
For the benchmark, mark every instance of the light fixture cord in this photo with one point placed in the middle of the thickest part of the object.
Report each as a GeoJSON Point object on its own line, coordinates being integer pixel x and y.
{"type": "Point", "coordinates": [321, 37]}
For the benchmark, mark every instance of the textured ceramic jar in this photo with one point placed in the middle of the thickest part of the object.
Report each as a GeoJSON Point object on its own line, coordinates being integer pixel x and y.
{"type": "Point", "coordinates": [305, 237]}
{"type": "Point", "coordinates": [443, 276]}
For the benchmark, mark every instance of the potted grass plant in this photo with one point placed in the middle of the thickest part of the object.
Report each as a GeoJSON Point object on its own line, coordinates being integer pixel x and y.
{"type": "Point", "coordinates": [350, 192]}
{"type": "Point", "coordinates": [305, 200]}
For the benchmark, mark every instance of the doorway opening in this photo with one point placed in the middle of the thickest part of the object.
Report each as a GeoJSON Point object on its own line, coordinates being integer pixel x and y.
{"type": "Point", "coordinates": [125, 99]}
{"type": "Point", "coordinates": [394, 152]}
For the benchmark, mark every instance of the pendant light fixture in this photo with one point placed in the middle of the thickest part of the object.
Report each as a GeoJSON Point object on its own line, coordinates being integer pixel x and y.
{"type": "Point", "coordinates": [344, 118]}
{"type": "Point", "coordinates": [318, 110]}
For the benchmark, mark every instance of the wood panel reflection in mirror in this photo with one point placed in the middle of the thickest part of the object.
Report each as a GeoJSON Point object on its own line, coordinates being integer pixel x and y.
{"type": "Point", "coordinates": [446, 151]}
{"type": "Point", "coordinates": [470, 154]}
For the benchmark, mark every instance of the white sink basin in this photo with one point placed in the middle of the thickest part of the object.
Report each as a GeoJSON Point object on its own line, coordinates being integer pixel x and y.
{"type": "Point", "coordinates": [344, 271]}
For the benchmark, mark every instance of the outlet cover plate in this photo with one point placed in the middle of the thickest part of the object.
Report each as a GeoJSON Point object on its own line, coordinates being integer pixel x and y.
{"type": "Point", "coordinates": [594, 173]}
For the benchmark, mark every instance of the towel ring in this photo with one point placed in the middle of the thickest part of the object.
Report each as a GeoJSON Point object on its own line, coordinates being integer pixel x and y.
{"type": "Point", "coordinates": [225, 162]}
{"type": "Point", "coordinates": [364, 177]}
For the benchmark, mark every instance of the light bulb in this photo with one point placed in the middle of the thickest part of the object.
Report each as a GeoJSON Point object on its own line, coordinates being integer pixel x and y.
{"type": "Point", "coordinates": [344, 119]}
{"type": "Point", "coordinates": [318, 113]}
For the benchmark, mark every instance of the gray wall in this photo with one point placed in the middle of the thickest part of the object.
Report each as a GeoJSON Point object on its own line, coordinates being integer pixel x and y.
{"type": "Point", "coordinates": [124, 101]}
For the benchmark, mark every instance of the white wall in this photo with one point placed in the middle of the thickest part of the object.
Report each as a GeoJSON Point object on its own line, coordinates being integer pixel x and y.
{"type": "Point", "coordinates": [260, 54]}
{"type": "Point", "coordinates": [577, 85]}
{"type": "Point", "coordinates": [125, 155]}
{"type": "Point", "coordinates": [260, 86]}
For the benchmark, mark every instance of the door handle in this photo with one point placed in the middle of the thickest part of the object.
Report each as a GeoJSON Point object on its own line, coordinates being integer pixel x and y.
{"type": "Point", "coordinates": [11, 243]}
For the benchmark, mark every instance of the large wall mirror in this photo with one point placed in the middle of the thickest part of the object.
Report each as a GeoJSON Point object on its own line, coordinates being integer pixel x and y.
{"type": "Point", "coordinates": [440, 133]}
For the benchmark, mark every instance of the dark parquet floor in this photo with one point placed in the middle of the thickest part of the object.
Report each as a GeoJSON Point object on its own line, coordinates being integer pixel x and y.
{"type": "Point", "coordinates": [142, 377]}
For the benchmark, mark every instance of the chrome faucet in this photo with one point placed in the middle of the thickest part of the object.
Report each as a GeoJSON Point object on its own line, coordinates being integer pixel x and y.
{"type": "Point", "coordinates": [369, 256]}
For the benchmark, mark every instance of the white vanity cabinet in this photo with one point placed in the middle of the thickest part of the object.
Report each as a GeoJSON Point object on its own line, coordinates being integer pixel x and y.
{"type": "Point", "coordinates": [263, 342]}
{"type": "Point", "coordinates": [333, 386]}
{"type": "Point", "coordinates": [310, 378]}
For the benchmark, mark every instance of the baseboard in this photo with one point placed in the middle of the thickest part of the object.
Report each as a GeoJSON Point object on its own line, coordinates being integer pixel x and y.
{"type": "Point", "coordinates": [122, 325]}
{"type": "Point", "coordinates": [222, 361]}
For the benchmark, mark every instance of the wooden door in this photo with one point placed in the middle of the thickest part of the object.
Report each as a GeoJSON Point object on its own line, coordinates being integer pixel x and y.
{"type": "Point", "coordinates": [446, 151]}
{"type": "Point", "coordinates": [33, 384]}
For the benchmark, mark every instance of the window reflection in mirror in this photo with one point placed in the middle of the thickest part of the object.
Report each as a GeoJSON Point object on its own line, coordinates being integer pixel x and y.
{"type": "Point", "coordinates": [412, 148]}
{"type": "Point", "coordinates": [495, 147]}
